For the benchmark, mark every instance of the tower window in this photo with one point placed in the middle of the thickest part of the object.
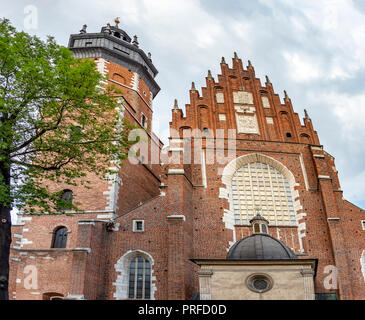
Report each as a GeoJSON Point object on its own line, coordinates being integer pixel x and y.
{"type": "Point", "coordinates": [139, 279]}
{"type": "Point", "coordinates": [66, 200]}
{"type": "Point", "coordinates": [144, 122]}
{"type": "Point", "coordinates": [60, 238]}
{"type": "Point", "coordinates": [288, 135]}
{"type": "Point", "coordinates": [363, 224]}
{"type": "Point", "coordinates": [117, 34]}
{"type": "Point", "coordinates": [260, 228]}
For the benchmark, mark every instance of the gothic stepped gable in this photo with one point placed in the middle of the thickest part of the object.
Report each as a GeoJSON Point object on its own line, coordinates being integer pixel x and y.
{"type": "Point", "coordinates": [239, 101]}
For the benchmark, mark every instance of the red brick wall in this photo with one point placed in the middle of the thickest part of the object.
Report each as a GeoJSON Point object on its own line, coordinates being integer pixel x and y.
{"type": "Point", "coordinates": [202, 233]}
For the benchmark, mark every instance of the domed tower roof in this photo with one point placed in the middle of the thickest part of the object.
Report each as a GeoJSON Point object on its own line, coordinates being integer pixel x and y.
{"type": "Point", "coordinates": [260, 247]}
{"type": "Point", "coordinates": [114, 44]}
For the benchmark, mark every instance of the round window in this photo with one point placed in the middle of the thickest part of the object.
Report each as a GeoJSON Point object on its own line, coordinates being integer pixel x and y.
{"type": "Point", "coordinates": [259, 282]}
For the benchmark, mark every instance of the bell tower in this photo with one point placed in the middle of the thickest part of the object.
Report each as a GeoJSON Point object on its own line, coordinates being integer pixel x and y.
{"type": "Point", "coordinates": [128, 67]}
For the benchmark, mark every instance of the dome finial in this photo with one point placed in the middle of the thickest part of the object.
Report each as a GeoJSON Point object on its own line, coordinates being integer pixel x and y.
{"type": "Point", "coordinates": [223, 60]}
{"type": "Point", "coordinates": [117, 21]}
{"type": "Point", "coordinates": [193, 86]}
{"type": "Point", "coordinates": [176, 104]}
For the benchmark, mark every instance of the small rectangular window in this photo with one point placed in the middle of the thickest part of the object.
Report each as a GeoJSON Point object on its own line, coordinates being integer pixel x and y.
{"type": "Point", "coordinates": [363, 224]}
{"type": "Point", "coordinates": [138, 225]}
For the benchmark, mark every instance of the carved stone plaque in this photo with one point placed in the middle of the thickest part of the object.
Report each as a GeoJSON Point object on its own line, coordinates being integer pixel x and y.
{"type": "Point", "coordinates": [242, 97]}
{"type": "Point", "coordinates": [247, 123]}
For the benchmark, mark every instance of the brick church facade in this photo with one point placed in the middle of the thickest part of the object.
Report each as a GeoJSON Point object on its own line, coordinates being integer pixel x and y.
{"type": "Point", "coordinates": [149, 233]}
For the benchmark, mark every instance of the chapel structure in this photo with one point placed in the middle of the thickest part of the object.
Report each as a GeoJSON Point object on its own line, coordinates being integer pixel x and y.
{"type": "Point", "coordinates": [246, 203]}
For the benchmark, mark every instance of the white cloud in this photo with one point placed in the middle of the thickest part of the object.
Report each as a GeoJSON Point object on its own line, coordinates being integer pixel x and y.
{"type": "Point", "coordinates": [302, 68]}
{"type": "Point", "coordinates": [354, 187]}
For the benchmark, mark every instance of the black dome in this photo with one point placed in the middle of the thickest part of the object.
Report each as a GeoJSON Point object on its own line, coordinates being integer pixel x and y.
{"type": "Point", "coordinates": [260, 247]}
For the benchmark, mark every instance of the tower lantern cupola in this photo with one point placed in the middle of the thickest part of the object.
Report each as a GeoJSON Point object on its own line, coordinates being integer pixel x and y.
{"type": "Point", "coordinates": [259, 224]}
{"type": "Point", "coordinates": [114, 44]}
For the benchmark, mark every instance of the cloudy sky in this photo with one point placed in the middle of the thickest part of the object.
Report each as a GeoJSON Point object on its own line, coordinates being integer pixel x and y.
{"type": "Point", "coordinates": [315, 50]}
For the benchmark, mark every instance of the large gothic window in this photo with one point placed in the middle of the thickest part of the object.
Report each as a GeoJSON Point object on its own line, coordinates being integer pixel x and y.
{"type": "Point", "coordinates": [260, 186]}
{"type": "Point", "coordinates": [139, 279]}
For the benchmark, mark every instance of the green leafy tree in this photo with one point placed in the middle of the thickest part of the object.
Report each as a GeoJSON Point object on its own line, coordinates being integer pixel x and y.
{"type": "Point", "coordinates": [58, 121]}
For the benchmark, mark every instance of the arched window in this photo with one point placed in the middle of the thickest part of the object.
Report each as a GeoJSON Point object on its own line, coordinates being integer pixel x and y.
{"type": "Point", "coordinates": [263, 228]}
{"type": "Point", "coordinates": [66, 200]}
{"type": "Point", "coordinates": [304, 138]}
{"type": "Point", "coordinates": [119, 78]}
{"type": "Point", "coordinates": [139, 286]}
{"type": "Point", "coordinates": [60, 238]}
{"type": "Point", "coordinates": [260, 185]}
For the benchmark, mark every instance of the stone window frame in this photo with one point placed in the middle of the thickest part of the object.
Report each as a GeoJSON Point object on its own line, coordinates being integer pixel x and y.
{"type": "Point", "coordinates": [135, 229]}
{"type": "Point", "coordinates": [122, 270]}
{"type": "Point", "coordinates": [255, 276]}
{"type": "Point", "coordinates": [362, 264]}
